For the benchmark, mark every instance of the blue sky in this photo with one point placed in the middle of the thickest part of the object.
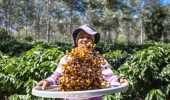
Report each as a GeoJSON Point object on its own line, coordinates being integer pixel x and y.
{"type": "Point", "coordinates": [166, 1]}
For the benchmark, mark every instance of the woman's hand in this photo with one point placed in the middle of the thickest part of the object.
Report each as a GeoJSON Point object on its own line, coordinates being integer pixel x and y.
{"type": "Point", "coordinates": [124, 80]}
{"type": "Point", "coordinates": [43, 83]}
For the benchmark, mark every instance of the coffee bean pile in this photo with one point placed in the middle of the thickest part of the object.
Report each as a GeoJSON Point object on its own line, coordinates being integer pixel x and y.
{"type": "Point", "coordinates": [83, 70]}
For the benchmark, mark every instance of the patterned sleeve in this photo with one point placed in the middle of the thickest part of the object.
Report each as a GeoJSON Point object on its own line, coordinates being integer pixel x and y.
{"type": "Point", "coordinates": [52, 80]}
{"type": "Point", "coordinates": [109, 75]}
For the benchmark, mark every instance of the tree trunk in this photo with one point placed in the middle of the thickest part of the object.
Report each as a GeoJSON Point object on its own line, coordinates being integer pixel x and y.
{"type": "Point", "coordinates": [142, 22]}
{"type": "Point", "coordinates": [35, 39]}
{"type": "Point", "coordinates": [141, 29]}
{"type": "Point", "coordinates": [115, 36]}
{"type": "Point", "coordinates": [26, 30]}
{"type": "Point", "coordinates": [8, 12]}
{"type": "Point", "coordinates": [18, 34]}
{"type": "Point", "coordinates": [48, 19]}
{"type": "Point", "coordinates": [130, 31]}
{"type": "Point", "coordinates": [126, 32]}
{"type": "Point", "coordinates": [105, 36]}
{"type": "Point", "coordinates": [38, 22]}
{"type": "Point", "coordinates": [109, 34]}
{"type": "Point", "coordinates": [71, 17]}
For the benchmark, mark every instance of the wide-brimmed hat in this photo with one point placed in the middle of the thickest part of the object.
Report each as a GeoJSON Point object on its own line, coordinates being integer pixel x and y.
{"type": "Point", "coordinates": [89, 30]}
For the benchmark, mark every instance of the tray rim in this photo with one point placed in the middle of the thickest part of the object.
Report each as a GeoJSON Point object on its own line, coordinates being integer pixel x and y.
{"type": "Point", "coordinates": [79, 94]}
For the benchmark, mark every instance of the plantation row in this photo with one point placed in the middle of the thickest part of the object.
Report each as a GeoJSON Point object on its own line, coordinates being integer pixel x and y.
{"type": "Point", "coordinates": [146, 66]}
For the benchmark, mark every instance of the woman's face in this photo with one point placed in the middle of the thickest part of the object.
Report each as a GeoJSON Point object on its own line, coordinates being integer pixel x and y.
{"type": "Point", "coordinates": [84, 38]}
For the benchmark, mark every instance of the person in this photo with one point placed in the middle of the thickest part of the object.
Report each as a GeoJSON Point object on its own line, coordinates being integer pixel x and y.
{"type": "Point", "coordinates": [82, 36]}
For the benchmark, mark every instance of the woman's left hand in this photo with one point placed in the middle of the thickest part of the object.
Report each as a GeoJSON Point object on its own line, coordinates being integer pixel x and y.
{"type": "Point", "coordinates": [124, 80]}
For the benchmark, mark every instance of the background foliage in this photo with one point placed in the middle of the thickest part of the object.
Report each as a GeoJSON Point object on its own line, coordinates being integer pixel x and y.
{"type": "Point", "coordinates": [146, 66]}
{"type": "Point", "coordinates": [116, 20]}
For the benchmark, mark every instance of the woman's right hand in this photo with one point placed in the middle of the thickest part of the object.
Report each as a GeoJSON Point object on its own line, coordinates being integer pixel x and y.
{"type": "Point", "coordinates": [43, 83]}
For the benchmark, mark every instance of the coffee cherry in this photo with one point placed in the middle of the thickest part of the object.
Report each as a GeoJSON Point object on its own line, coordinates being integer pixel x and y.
{"type": "Point", "coordinates": [83, 70]}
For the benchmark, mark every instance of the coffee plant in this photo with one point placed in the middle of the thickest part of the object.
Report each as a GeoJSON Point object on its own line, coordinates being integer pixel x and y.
{"type": "Point", "coordinates": [146, 66]}
{"type": "Point", "coordinates": [148, 71]}
{"type": "Point", "coordinates": [20, 74]}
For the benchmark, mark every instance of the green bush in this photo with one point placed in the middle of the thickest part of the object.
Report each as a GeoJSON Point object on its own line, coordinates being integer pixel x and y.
{"type": "Point", "coordinates": [9, 45]}
{"type": "Point", "coordinates": [21, 74]}
{"type": "Point", "coordinates": [62, 46]}
{"type": "Point", "coordinates": [128, 47]}
{"type": "Point", "coordinates": [29, 38]}
{"type": "Point", "coordinates": [116, 58]}
{"type": "Point", "coordinates": [149, 73]}
{"type": "Point", "coordinates": [23, 64]}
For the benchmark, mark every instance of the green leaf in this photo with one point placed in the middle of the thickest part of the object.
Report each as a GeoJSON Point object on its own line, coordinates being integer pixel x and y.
{"type": "Point", "coordinates": [155, 94]}
{"type": "Point", "coordinates": [44, 64]}
{"type": "Point", "coordinates": [10, 69]}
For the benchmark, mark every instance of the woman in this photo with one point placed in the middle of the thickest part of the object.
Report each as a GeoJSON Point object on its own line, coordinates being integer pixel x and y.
{"type": "Point", "coordinates": [82, 36]}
